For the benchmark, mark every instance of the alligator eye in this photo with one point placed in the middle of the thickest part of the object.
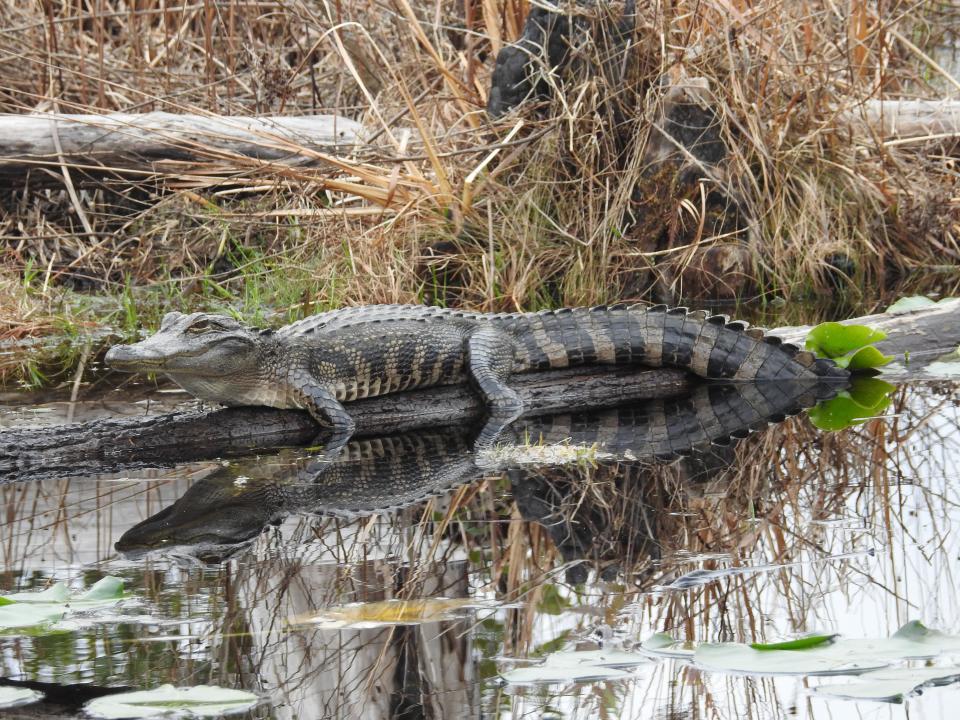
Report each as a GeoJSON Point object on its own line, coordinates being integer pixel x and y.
{"type": "Point", "coordinates": [202, 326]}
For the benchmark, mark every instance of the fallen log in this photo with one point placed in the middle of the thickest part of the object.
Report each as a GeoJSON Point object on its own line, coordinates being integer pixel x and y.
{"type": "Point", "coordinates": [87, 448]}
{"type": "Point", "coordinates": [136, 142]}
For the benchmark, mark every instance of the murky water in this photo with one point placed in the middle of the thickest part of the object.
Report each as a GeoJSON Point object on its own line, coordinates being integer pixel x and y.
{"type": "Point", "coordinates": [585, 532]}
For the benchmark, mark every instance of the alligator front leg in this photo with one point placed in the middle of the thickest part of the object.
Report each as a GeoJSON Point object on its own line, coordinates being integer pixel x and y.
{"type": "Point", "coordinates": [489, 364]}
{"type": "Point", "coordinates": [323, 407]}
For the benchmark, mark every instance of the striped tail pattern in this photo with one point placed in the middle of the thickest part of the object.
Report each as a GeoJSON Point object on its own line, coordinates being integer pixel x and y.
{"type": "Point", "coordinates": [711, 346]}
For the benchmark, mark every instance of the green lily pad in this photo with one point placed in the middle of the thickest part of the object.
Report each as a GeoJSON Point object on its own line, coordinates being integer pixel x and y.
{"type": "Point", "coordinates": [833, 340]}
{"type": "Point", "coordinates": [820, 656]}
{"type": "Point", "coordinates": [891, 684]}
{"type": "Point", "coordinates": [25, 615]}
{"type": "Point", "coordinates": [865, 399]}
{"type": "Point", "coordinates": [199, 701]}
{"type": "Point", "coordinates": [915, 302]}
{"type": "Point", "coordinates": [37, 611]}
{"type": "Point", "coordinates": [577, 666]}
{"type": "Point", "coordinates": [106, 589]}
{"type": "Point", "coordinates": [803, 643]}
{"type": "Point", "coordinates": [945, 366]}
{"type": "Point", "coordinates": [866, 358]}
{"type": "Point", "coordinates": [57, 593]}
{"type": "Point", "coordinates": [17, 696]}
{"type": "Point", "coordinates": [664, 646]}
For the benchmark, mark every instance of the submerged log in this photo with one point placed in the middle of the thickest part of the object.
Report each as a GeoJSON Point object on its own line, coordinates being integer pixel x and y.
{"type": "Point", "coordinates": [101, 445]}
{"type": "Point", "coordinates": [130, 141]}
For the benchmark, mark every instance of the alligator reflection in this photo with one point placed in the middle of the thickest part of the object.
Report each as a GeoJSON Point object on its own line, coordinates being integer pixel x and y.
{"type": "Point", "coordinates": [228, 509]}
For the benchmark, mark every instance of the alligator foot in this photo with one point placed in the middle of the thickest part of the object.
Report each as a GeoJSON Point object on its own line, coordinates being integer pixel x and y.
{"type": "Point", "coordinates": [498, 420]}
{"type": "Point", "coordinates": [326, 447]}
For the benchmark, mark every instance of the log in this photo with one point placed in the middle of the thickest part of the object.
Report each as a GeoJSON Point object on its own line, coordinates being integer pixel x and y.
{"type": "Point", "coordinates": [105, 445]}
{"type": "Point", "coordinates": [128, 141]}
{"type": "Point", "coordinates": [915, 120]}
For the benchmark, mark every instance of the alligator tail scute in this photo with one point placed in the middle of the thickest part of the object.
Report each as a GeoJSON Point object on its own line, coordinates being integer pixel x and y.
{"type": "Point", "coordinates": [711, 346]}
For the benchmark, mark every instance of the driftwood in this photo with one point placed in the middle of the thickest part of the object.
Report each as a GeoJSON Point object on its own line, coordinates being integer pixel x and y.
{"type": "Point", "coordinates": [126, 141]}
{"type": "Point", "coordinates": [101, 445]}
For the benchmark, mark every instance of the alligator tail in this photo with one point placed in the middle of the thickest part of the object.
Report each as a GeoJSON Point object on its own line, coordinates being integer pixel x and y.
{"type": "Point", "coordinates": [710, 346]}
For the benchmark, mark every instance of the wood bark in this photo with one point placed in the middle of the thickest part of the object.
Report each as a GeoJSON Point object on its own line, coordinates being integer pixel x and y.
{"type": "Point", "coordinates": [99, 446]}
{"type": "Point", "coordinates": [127, 141]}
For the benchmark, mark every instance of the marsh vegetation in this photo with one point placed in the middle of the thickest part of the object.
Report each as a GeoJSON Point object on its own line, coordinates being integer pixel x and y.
{"type": "Point", "coordinates": [708, 153]}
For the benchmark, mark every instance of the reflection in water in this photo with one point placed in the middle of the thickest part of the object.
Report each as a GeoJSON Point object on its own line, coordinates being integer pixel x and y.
{"type": "Point", "coordinates": [230, 507]}
{"type": "Point", "coordinates": [587, 500]}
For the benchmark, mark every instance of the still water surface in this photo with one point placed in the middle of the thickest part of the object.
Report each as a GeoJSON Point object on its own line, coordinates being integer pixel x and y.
{"type": "Point", "coordinates": [585, 532]}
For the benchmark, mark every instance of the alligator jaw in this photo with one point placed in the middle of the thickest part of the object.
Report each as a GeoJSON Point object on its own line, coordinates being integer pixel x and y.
{"type": "Point", "coordinates": [131, 358]}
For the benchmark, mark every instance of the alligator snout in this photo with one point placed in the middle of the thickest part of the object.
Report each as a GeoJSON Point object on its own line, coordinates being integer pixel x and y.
{"type": "Point", "coordinates": [133, 358]}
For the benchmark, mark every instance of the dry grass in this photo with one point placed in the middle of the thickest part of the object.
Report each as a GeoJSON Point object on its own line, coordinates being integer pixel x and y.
{"type": "Point", "coordinates": [556, 205]}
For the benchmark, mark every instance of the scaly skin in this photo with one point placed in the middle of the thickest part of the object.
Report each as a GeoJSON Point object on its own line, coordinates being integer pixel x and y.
{"type": "Point", "coordinates": [339, 356]}
{"type": "Point", "coordinates": [218, 515]}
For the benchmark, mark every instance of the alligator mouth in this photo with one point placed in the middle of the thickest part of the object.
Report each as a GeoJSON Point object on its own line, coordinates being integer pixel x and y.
{"type": "Point", "coordinates": [123, 357]}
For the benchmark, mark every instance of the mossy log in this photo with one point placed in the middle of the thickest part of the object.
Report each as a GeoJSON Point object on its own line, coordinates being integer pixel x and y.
{"type": "Point", "coordinates": [99, 446]}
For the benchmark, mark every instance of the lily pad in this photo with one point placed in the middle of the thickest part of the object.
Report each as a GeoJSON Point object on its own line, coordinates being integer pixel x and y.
{"type": "Point", "coordinates": [108, 589]}
{"type": "Point", "coordinates": [866, 358]}
{"type": "Point", "coordinates": [577, 666]}
{"type": "Point", "coordinates": [813, 655]}
{"type": "Point", "coordinates": [23, 615]}
{"type": "Point", "coordinates": [947, 366]}
{"type": "Point", "coordinates": [39, 610]}
{"type": "Point", "coordinates": [390, 612]}
{"type": "Point", "coordinates": [835, 340]}
{"type": "Point", "coordinates": [199, 701]}
{"type": "Point", "coordinates": [803, 643]}
{"type": "Point", "coordinates": [866, 398]}
{"type": "Point", "coordinates": [664, 646]}
{"type": "Point", "coordinates": [17, 696]}
{"type": "Point", "coordinates": [915, 302]}
{"type": "Point", "coordinates": [891, 684]}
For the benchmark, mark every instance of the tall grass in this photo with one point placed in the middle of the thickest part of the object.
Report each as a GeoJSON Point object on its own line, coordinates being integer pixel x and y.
{"type": "Point", "coordinates": [557, 204]}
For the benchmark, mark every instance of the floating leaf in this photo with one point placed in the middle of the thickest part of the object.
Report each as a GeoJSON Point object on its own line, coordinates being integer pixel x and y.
{"type": "Point", "coordinates": [891, 684]}
{"type": "Point", "coordinates": [390, 612]}
{"type": "Point", "coordinates": [24, 615]}
{"type": "Point", "coordinates": [834, 340]}
{"type": "Point", "coordinates": [866, 398]}
{"type": "Point", "coordinates": [577, 666]}
{"type": "Point", "coordinates": [16, 696]}
{"type": "Point", "coordinates": [916, 302]}
{"type": "Point", "coordinates": [866, 358]}
{"type": "Point", "coordinates": [199, 701]}
{"type": "Point", "coordinates": [909, 304]}
{"type": "Point", "coordinates": [36, 611]}
{"type": "Point", "coordinates": [912, 641]}
{"type": "Point", "coordinates": [803, 643]}
{"type": "Point", "coordinates": [662, 645]}
{"type": "Point", "coordinates": [106, 589]}
{"type": "Point", "coordinates": [57, 593]}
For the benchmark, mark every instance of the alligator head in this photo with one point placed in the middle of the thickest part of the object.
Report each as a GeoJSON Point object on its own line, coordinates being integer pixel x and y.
{"type": "Point", "coordinates": [200, 352]}
{"type": "Point", "coordinates": [214, 519]}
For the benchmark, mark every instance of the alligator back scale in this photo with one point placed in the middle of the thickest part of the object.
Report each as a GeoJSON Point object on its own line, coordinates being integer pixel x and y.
{"type": "Point", "coordinates": [324, 360]}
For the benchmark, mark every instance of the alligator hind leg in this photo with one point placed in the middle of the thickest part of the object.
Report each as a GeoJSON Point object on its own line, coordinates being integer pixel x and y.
{"type": "Point", "coordinates": [489, 364]}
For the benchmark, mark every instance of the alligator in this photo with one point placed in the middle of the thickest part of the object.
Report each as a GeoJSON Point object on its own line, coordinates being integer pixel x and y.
{"type": "Point", "coordinates": [228, 509]}
{"type": "Point", "coordinates": [339, 356]}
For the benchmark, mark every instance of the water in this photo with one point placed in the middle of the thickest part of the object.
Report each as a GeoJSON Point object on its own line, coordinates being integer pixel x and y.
{"type": "Point", "coordinates": [575, 544]}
